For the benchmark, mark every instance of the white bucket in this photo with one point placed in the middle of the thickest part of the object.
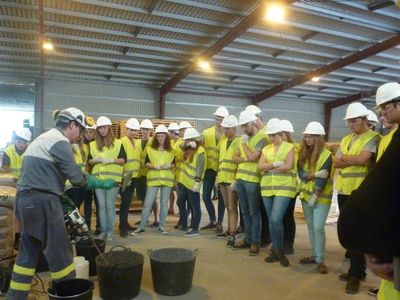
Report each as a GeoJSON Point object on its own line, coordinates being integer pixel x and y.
{"type": "Point", "coordinates": [81, 267]}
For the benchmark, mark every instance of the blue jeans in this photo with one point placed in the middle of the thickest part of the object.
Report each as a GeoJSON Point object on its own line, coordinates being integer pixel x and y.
{"type": "Point", "coordinates": [151, 194]}
{"type": "Point", "coordinates": [106, 202]}
{"type": "Point", "coordinates": [208, 186]}
{"type": "Point", "coordinates": [249, 195]}
{"type": "Point", "coordinates": [315, 218]}
{"type": "Point", "coordinates": [194, 201]}
{"type": "Point", "coordinates": [276, 208]}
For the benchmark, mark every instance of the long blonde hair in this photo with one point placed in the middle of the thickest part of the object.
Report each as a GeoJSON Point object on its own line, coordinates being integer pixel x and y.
{"type": "Point", "coordinates": [310, 154]}
{"type": "Point", "coordinates": [106, 141]}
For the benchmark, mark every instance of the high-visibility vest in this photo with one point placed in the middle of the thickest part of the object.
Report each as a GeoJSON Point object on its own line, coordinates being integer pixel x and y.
{"type": "Point", "coordinates": [109, 171]}
{"type": "Point", "coordinates": [133, 151]}
{"type": "Point", "coordinates": [387, 291]}
{"type": "Point", "coordinates": [278, 184]}
{"type": "Point", "coordinates": [15, 160]}
{"type": "Point", "coordinates": [307, 186]}
{"type": "Point", "coordinates": [247, 170]}
{"type": "Point", "coordinates": [350, 178]}
{"type": "Point", "coordinates": [160, 177]}
{"type": "Point", "coordinates": [143, 153]}
{"type": "Point", "coordinates": [211, 147]}
{"type": "Point", "coordinates": [179, 157]}
{"type": "Point", "coordinates": [384, 143]}
{"type": "Point", "coordinates": [188, 169]}
{"type": "Point", "coordinates": [78, 160]}
{"type": "Point", "coordinates": [226, 166]}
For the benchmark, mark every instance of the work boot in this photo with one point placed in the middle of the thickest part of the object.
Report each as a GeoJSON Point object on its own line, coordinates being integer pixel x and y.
{"type": "Point", "coordinates": [219, 229]}
{"type": "Point", "coordinates": [322, 269]}
{"type": "Point", "coordinates": [209, 226]}
{"type": "Point", "coordinates": [272, 257]}
{"type": "Point", "coordinates": [242, 244]}
{"type": "Point", "coordinates": [353, 285]}
{"type": "Point", "coordinates": [254, 250]}
{"type": "Point", "coordinates": [282, 259]}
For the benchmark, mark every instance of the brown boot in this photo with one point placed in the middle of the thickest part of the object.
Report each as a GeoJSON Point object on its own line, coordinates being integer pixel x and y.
{"type": "Point", "coordinates": [282, 259]}
{"type": "Point", "coordinates": [322, 268]}
{"type": "Point", "coordinates": [353, 285]}
{"type": "Point", "coordinates": [254, 250]}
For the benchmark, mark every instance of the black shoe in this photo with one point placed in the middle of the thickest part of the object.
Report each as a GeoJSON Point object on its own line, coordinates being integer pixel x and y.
{"type": "Point", "coordinates": [272, 257]}
{"type": "Point", "coordinates": [242, 244]}
{"type": "Point", "coordinates": [353, 285]}
{"type": "Point", "coordinates": [155, 224]}
{"type": "Point", "coordinates": [373, 292]}
{"type": "Point", "coordinates": [231, 241]}
{"type": "Point", "coordinates": [209, 226]}
{"type": "Point", "coordinates": [239, 229]}
{"type": "Point", "coordinates": [123, 233]}
{"type": "Point", "coordinates": [282, 259]}
{"type": "Point", "coordinates": [288, 250]}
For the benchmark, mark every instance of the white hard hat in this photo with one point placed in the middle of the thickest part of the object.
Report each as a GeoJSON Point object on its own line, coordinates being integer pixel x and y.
{"type": "Point", "coordinates": [90, 123]}
{"type": "Point", "coordinates": [184, 124]}
{"type": "Point", "coordinates": [246, 117]}
{"type": "Point", "coordinates": [24, 133]}
{"type": "Point", "coordinates": [191, 133]}
{"type": "Point", "coordinates": [72, 114]}
{"type": "Point", "coordinates": [230, 122]}
{"type": "Point", "coordinates": [356, 110]}
{"type": "Point", "coordinates": [173, 126]}
{"type": "Point", "coordinates": [103, 121]}
{"type": "Point", "coordinates": [221, 112]}
{"type": "Point", "coordinates": [287, 126]}
{"type": "Point", "coordinates": [314, 127]}
{"type": "Point", "coordinates": [254, 109]}
{"type": "Point", "coordinates": [146, 124]}
{"type": "Point", "coordinates": [274, 126]}
{"type": "Point", "coordinates": [161, 129]}
{"type": "Point", "coordinates": [133, 124]}
{"type": "Point", "coordinates": [372, 117]}
{"type": "Point", "coordinates": [387, 92]}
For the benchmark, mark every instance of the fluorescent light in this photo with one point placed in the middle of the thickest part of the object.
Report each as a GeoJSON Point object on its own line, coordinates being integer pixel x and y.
{"type": "Point", "coordinates": [275, 13]}
{"type": "Point", "coordinates": [204, 65]}
{"type": "Point", "coordinates": [315, 79]}
{"type": "Point", "coordinates": [48, 46]}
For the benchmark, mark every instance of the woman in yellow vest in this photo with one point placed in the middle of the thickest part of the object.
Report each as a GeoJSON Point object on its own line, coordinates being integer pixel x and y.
{"type": "Point", "coordinates": [190, 180]}
{"type": "Point", "coordinates": [226, 176]}
{"type": "Point", "coordinates": [315, 172]}
{"type": "Point", "coordinates": [278, 186]}
{"type": "Point", "coordinates": [173, 130]}
{"type": "Point", "coordinates": [160, 162]}
{"type": "Point", "coordinates": [107, 156]}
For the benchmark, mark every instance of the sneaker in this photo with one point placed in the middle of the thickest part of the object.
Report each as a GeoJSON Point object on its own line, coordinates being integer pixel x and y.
{"type": "Point", "coordinates": [345, 277]}
{"type": "Point", "coordinates": [373, 292]}
{"type": "Point", "coordinates": [219, 229]}
{"type": "Point", "coordinates": [222, 235]}
{"type": "Point", "coordinates": [162, 230]}
{"type": "Point", "coordinates": [137, 232]}
{"type": "Point", "coordinates": [254, 250]}
{"type": "Point", "coordinates": [242, 244]}
{"type": "Point", "coordinates": [282, 259]}
{"type": "Point", "coordinates": [308, 260]}
{"type": "Point", "coordinates": [191, 233]}
{"type": "Point", "coordinates": [353, 285]}
{"type": "Point", "coordinates": [209, 226]}
{"type": "Point", "coordinates": [272, 257]}
{"type": "Point", "coordinates": [231, 241]}
{"type": "Point", "coordinates": [322, 269]}
{"type": "Point", "coordinates": [155, 224]}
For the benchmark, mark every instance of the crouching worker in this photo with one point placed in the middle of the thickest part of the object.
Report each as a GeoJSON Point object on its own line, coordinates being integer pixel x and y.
{"type": "Point", "coordinates": [48, 163]}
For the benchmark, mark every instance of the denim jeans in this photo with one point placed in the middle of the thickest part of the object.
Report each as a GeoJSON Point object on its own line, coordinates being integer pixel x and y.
{"type": "Point", "coordinates": [248, 193]}
{"type": "Point", "coordinates": [276, 208]}
{"type": "Point", "coordinates": [151, 195]}
{"type": "Point", "coordinates": [289, 225]}
{"type": "Point", "coordinates": [106, 202]}
{"type": "Point", "coordinates": [315, 218]}
{"type": "Point", "coordinates": [208, 186]}
{"type": "Point", "coordinates": [126, 200]}
{"type": "Point", "coordinates": [194, 201]}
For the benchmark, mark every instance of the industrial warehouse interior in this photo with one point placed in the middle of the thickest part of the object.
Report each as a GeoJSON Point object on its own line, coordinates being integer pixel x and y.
{"type": "Point", "coordinates": [250, 124]}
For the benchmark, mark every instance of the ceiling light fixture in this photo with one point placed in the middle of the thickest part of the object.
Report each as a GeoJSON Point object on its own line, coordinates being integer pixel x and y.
{"type": "Point", "coordinates": [275, 13]}
{"type": "Point", "coordinates": [48, 46]}
{"type": "Point", "coordinates": [204, 65]}
{"type": "Point", "coordinates": [315, 79]}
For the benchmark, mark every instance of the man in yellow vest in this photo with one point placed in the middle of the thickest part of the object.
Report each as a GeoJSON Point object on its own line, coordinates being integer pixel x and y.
{"type": "Point", "coordinates": [132, 148]}
{"type": "Point", "coordinates": [387, 99]}
{"type": "Point", "coordinates": [353, 160]}
{"type": "Point", "coordinates": [12, 157]}
{"type": "Point", "coordinates": [212, 137]}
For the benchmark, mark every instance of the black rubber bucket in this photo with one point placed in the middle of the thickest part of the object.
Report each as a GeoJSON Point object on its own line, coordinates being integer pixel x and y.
{"type": "Point", "coordinates": [86, 249]}
{"type": "Point", "coordinates": [172, 270]}
{"type": "Point", "coordinates": [77, 289]}
{"type": "Point", "coordinates": [120, 276]}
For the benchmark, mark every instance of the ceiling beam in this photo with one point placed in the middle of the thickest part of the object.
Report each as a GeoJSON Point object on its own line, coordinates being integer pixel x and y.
{"type": "Point", "coordinates": [389, 43]}
{"type": "Point", "coordinates": [251, 20]}
{"type": "Point", "coordinates": [351, 98]}
{"type": "Point", "coordinates": [379, 4]}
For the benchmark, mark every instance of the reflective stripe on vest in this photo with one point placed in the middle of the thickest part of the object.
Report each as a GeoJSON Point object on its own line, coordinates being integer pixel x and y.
{"type": "Point", "coordinates": [188, 169]}
{"type": "Point", "coordinates": [112, 171]}
{"type": "Point", "coordinates": [15, 160]}
{"type": "Point", "coordinates": [350, 178]}
{"type": "Point", "coordinates": [384, 143]}
{"type": "Point", "coordinates": [278, 184]}
{"type": "Point", "coordinates": [227, 166]}
{"type": "Point", "coordinates": [211, 147]}
{"type": "Point", "coordinates": [248, 171]}
{"type": "Point", "coordinates": [132, 151]}
{"type": "Point", "coordinates": [307, 186]}
{"type": "Point", "coordinates": [143, 153]}
{"type": "Point", "coordinates": [160, 177]}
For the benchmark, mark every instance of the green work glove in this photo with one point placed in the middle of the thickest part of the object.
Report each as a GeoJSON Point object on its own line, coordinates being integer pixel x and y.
{"type": "Point", "coordinates": [95, 183]}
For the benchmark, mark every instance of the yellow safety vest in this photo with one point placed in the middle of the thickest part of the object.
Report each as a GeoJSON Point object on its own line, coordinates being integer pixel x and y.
{"type": "Point", "coordinates": [78, 160]}
{"type": "Point", "coordinates": [160, 177]}
{"type": "Point", "coordinates": [278, 184]}
{"type": "Point", "coordinates": [384, 143]}
{"type": "Point", "coordinates": [211, 147]}
{"type": "Point", "coordinates": [387, 291]}
{"type": "Point", "coordinates": [179, 157]}
{"type": "Point", "coordinates": [143, 153]}
{"type": "Point", "coordinates": [350, 178]}
{"type": "Point", "coordinates": [109, 171]}
{"type": "Point", "coordinates": [307, 186]}
{"type": "Point", "coordinates": [188, 169]}
{"type": "Point", "coordinates": [15, 160]}
{"type": "Point", "coordinates": [247, 170]}
{"type": "Point", "coordinates": [132, 156]}
{"type": "Point", "coordinates": [227, 167]}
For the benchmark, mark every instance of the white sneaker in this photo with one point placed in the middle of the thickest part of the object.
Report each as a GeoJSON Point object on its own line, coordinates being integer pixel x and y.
{"type": "Point", "coordinates": [137, 232]}
{"type": "Point", "coordinates": [162, 230]}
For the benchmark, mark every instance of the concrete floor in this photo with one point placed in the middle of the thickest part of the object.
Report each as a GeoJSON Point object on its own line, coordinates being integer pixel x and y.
{"type": "Point", "coordinates": [222, 273]}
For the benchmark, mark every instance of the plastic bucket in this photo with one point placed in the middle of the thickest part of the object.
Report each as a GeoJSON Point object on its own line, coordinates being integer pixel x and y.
{"type": "Point", "coordinates": [86, 249]}
{"type": "Point", "coordinates": [120, 276]}
{"type": "Point", "coordinates": [77, 289]}
{"type": "Point", "coordinates": [172, 270]}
